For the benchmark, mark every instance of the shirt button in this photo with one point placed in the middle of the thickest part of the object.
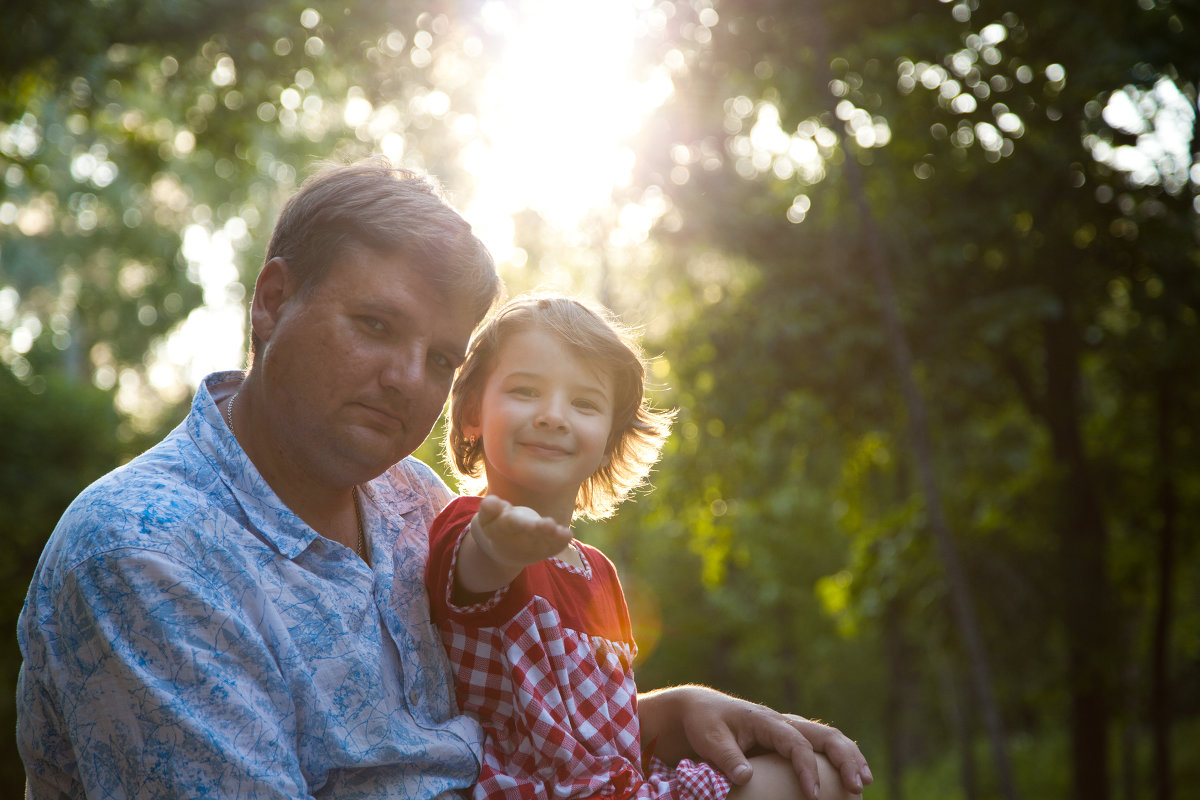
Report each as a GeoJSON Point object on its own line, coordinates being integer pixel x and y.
{"type": "Point", "coordinates": [414, 697]}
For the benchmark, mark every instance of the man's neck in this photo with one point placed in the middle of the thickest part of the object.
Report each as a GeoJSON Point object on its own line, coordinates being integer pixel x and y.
{"type": "Point", "coordinates": [331, 511]}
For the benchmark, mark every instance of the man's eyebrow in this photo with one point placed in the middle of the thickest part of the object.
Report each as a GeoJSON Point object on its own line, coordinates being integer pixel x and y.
{"type": "Point", "coordinates": [453, 349]}
{"type": "Point", "coordinates": [455, 353]}
{"type": "Point", "coordinates": [383, 307]}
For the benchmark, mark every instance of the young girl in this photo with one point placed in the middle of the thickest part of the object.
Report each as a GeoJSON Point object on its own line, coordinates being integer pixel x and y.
{"type": "Point", "coordinates": [548, 419]}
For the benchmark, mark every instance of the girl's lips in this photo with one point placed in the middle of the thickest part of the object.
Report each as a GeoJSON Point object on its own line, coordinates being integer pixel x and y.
{"type": "Point", "coordinates": [545, 449]}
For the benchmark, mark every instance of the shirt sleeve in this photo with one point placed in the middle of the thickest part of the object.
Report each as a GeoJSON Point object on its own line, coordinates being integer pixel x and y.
{"type": "Point", "coordinates": [167, 686]}
{"type": "Point", "coordinates": [444, 536]}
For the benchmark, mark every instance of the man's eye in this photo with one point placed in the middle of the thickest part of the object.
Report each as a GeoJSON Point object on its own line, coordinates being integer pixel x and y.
{"type": "Point", "coordinates": [374, 323]}
{"type": "Point", "coordinates": [441, 362]}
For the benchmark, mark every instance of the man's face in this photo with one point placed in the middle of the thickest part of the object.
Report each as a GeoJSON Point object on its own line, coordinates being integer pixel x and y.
{"type": "Point", "coordinates": [356, 372]}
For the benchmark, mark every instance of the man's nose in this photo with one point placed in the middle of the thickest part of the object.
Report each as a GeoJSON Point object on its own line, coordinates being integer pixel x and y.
{"type": "Point", "coordinates": [405, 369]}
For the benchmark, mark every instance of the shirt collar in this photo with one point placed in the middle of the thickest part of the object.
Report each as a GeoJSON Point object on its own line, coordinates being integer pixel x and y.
{"type": "Point", "coordinates": [264, 511]}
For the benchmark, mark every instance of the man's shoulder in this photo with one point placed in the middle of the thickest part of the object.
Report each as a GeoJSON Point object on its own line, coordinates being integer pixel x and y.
{"type": "Point", "coordinates": [412, 485]}
{"type": "Point", "coordinates": [148, 506]}
{"type": "Point", "coordinates": [414, 470]}
{"type": "Point", "coordinates": [174, 462]}
{"type": "Point", "coordinates": [158, 490]}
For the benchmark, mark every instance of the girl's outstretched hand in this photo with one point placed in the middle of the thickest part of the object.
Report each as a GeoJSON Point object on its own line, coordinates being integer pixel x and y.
{"type": "Point", "coordinates": [504, 539]}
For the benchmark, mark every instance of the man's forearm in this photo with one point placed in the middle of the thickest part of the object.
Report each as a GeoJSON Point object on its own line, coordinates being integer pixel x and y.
{"type": "Point", "coordinates": [660, 713]}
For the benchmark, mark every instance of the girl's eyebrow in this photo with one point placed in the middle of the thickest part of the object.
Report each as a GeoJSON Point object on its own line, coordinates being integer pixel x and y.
{"type": "Point", "coordinates": [592, 389]}
{"type": "Point", "coordinates": [521, 375]}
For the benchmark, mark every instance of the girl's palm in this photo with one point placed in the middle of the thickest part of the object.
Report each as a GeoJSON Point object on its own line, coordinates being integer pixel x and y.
{"type": "Point", "coordinates": [517, 536]}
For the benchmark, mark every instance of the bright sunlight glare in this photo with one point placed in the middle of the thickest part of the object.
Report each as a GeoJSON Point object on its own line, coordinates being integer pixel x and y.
{"type": "Point", "coordinates": [556, 109]}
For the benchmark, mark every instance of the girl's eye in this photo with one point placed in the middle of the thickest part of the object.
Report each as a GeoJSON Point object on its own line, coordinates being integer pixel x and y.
{"type": "Point", "coordinates": [522, 391]}
{"type": "Point", "coordinates": [586, 405]}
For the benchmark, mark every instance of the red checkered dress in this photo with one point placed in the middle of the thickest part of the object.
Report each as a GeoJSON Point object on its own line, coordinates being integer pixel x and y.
{"type": "Point", "coordinates": [546, 664]}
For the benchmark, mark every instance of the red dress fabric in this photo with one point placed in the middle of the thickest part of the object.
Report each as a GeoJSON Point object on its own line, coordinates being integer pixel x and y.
{"type": "Point", "coordinates": [546, 665]}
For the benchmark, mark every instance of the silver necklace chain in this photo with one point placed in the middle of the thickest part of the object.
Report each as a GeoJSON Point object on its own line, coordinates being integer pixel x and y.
{"type": "Point", "coordinates": [362, 536]}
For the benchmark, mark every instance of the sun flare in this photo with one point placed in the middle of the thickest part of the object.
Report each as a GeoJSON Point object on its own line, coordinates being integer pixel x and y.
{"type": "Point", "coordinates": [557, 106]}
{"type": "Point", "coordinates": [556, 112]}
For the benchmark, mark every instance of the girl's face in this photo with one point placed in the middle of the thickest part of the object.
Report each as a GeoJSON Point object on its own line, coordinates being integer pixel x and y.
{"type": "Point", "coordinates": [544, 419]}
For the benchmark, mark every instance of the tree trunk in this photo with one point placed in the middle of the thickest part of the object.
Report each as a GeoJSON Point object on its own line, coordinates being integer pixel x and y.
{"type": "Point", "coordinates": [966, 740]}
{"type": "Point", "coordinates": [1160, 668]}
{"type": "Point", "coordinates": [1083, 543]}
{"type": "Point", "coordinates": [1131, 710]}
{"type": "Point", "coordinates": [961, 600]}
{"type": "Point", "coordinates": [879, 263]}
{"type": "Point", "coordinates": [962, 719]}
{"type": "Point", "coordinates": [899, 688]}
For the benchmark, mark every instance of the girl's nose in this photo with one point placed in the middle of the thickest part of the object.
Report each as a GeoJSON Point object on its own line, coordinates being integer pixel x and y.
{"type": "Point", "coordinates": [550, 414]}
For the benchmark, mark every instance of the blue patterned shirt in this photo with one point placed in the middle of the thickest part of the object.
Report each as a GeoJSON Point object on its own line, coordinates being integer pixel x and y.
{"type": "Point", "coordinates": [187, 635]}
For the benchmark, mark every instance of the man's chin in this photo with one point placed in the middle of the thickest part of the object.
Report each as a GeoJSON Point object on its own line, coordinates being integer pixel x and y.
{"type": "Point", "coordinates": [369, 453]}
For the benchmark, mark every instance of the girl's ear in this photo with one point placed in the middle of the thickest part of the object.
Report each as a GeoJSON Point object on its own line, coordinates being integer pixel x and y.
{"type": "Point", "coordinates": [613, 440]}
{"type": "Point", "coordinates": [471, 429]}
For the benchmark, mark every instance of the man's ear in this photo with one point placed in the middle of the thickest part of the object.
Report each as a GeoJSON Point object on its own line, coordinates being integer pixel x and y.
{"type": "Point", "coordinates": [271, 290]}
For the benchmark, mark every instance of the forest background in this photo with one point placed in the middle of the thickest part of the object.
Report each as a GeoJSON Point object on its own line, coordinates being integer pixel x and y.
{"type": "Point", "coordinates": [922, 278]}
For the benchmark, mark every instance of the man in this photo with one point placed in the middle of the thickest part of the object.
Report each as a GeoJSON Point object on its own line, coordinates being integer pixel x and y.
{"type": "Point", "coordinates": [240, 611]}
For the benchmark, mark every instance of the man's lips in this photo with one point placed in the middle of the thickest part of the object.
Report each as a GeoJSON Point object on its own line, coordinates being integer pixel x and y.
{"type": "Point", "coordinates": [385, 415]}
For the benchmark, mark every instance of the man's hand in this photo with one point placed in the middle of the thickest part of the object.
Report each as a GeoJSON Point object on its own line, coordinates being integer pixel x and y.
{"type": "Point", "coordinates": [723, 729]}
{"type": "Point", "coordinates": [840, 749]}
{"type": "Point", "coordinates": [504, 539]}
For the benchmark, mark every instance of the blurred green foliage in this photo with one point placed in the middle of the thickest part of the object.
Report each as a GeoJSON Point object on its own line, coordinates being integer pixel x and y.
{"type": "Point", "coordinates": [1043, 251]}
{"type": "Point", "coordinates": [1050, 299]}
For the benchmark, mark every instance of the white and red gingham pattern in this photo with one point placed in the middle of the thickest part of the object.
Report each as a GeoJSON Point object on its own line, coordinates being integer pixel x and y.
{"type": "Point", "coordinates": [561, 714]}
{"type": "Point", "coordinates": [558, 706]}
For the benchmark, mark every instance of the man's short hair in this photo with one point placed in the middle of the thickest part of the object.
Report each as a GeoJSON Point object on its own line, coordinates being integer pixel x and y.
{"type": "Point", "coordinates": [371, 204]}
